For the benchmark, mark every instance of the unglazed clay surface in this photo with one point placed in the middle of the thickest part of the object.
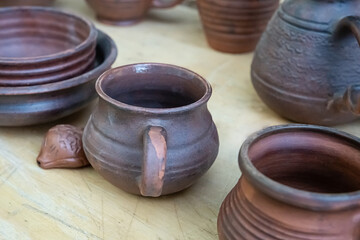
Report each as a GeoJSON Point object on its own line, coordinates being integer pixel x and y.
{"type": "Point", "coordinates": [30, 105]}
{"type": "Point", "coordinates": [123, 12]}
{"type": "Point", "coordinates": [62, 148]}
{"type": "Point", "coordinates": [307, 59]}
{"type": "Point", "coordinates": [298, 182]}
{"type": "Point", "coordinates": [148, 137]}
{"type": "Point", "coordinates": [38, 50]}
{"type": "Point", "coordinates": [235, 26]}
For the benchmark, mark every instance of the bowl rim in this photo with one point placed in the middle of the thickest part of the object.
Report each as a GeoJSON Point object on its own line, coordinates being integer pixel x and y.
{"type": "Point", "coordinates": [103, 41]}
{"type": "Point", "coordinates": [131, 108]}
{"type": "Point", "coordinates": [289, 195]}
{"type": "Point", "coordinates": [91, 38]}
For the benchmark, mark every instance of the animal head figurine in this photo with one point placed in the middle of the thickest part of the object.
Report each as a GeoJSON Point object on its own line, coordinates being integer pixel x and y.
{"type": "Point", "coordinates": [62, 148]}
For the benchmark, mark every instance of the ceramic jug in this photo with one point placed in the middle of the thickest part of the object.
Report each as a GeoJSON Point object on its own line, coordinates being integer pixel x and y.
{"type": "Point", "coordinates": [151, 132]}
{"type": "Point", "coordinates": [298, 182]}
{"type": "Point", "coordinates": [125, 12]}
{"type": "Point", "coordinates": [306, 65]}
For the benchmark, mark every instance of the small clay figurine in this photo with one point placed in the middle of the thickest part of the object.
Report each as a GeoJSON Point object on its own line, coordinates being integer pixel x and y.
{"type": "Point", "coordinates": [62, 148]}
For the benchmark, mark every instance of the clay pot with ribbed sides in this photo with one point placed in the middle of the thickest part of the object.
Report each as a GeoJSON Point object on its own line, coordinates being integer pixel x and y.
{"type": "Point", "coordinates": [235, 26]}
{"type": "Point", "coordinates": [151, 133]}
{"type": "Point", "coordinates": [298, 182]}
{"type": "Point", "coordinates": [306, 65]}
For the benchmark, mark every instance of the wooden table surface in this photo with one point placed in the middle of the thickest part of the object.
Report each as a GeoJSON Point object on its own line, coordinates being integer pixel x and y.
{"type": "Point", "coordinates": [80, 204]}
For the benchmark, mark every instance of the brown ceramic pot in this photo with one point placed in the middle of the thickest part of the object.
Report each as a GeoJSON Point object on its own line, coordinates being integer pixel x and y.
{"type": "Point", "coordinates": [235, 26]}
{"type": "Point", "coordinates": [151, 133]}
{"type": "Point", "coordinates": [42, 45]}
{"type": "Point", "coordinates": [23, 106]}
{"type": "Point", "coordinates": [8, 3]}
{"type": "Point", "coordinates": [298, 182]}
{"type": "Point", "coordinates": [306, 65]}
{"type": "Point", "coordinates": [125, 12]}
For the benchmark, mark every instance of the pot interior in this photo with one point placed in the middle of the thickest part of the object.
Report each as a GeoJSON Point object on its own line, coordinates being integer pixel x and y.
{"type": "Point", "coordinates": [309, 161]}
{"type": "Point", "coordinates": [156, 87]}
{"type": "Point", "coordinates": [27, 33]}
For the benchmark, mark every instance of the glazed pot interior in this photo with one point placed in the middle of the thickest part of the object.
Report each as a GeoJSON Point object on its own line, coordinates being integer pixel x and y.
{"type": "Point", "coordinates": [34, 32]}
{"type": "Point", "coordinates": [308, 160]}
{"type": "Point", "coordinates": [153, 86]}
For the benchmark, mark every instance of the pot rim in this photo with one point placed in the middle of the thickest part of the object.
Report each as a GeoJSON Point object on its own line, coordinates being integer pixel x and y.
{"type": "Point", "coordinates": [90, 39]}
{"type": "Point", "coordinates": [131, 108]}
{"type": "Point", "coordinates": [289, 195]}
{"type": "Point", "coordinates": [103, 41]}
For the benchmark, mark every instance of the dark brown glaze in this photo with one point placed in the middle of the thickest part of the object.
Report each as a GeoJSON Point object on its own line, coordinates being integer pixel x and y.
{"type": "Point", "coordinates": [235, 26]}
{"type": "Point", "coordinates": [148, 137]}
{"type": "Point", "coordinates": [62, 148]}
{"type": "Point", "coordinates": [23, 106]}
{"type": "Point", "coordinates": [298, 182]}
{"type": "Point", "coordinates": [9, 3]}
{"type": "Point", "coordinates": [42, 45]}
{"type": "Point", "coordinates": [124, 12]}
{"type": "Point", "coordinates": [306, 66]}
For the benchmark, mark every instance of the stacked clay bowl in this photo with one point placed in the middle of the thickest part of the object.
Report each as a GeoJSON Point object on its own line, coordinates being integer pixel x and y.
{"type": "Point", "coordinates": [49, 62]}
{"type": "Point", "coordinates": [8, 3]}
{"type": "Point", "coordinates": [235, 26]}
{"type": "Point", "coordinates": [41, 45]}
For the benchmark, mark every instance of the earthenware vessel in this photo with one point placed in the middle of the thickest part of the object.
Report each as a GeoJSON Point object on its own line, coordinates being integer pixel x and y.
{"type": "Point", "coordinates": [62, 148]}
{"type": "Point", "coordinates": [42, 45]}
{"type": "Point", "coordinates": [306, 64]}
{"type": "Point", "coordinates": [235, 26]}
{"type": "Point", "coordinates": [298, 182]}
{"type": "Point", "coordinates": [22, 106]}
{"type": "Point", "coordinates": [124, 12]}
{"type": "Point", "coordinates": [8, 3]}
{"type": "Point", "coordinates": [151, 133]}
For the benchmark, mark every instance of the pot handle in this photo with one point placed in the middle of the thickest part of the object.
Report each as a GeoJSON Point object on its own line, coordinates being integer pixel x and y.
{"type": "Point", "coordinates": [165, 4]}
{"type": "Point", "coordinates": [348, 100]}
{"type": "Point", "coordinates": [154, 162]}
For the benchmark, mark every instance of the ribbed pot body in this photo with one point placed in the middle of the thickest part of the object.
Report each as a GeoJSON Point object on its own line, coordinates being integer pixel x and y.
{"type": "Point", "coordinates": [114, 135]}
{"type": "Point", "coordinates": [235, 26]}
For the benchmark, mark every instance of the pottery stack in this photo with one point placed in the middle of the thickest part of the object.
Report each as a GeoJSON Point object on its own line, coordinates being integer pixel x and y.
{"type": "Point", "coordinates": [45, 55]}
{"type": "Point", "coordinates": [235, 26]}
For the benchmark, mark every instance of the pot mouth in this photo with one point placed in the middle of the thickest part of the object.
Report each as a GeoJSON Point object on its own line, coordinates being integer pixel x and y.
{"type": "Point", "coordinates": [153, 88]}
{"type": "Point", "coordinates": [306, 166]}
{"type": "Point", "coordinates": [83, 32]}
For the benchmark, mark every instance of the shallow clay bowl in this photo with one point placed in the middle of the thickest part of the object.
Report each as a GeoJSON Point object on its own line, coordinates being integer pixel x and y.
{"type": "Point", "coordinates": [120, 12]}
{"type": "Point", "coordinates": [8, 3]}
{"type": "Point", "coordinates": [22, 106]}
{"type": "Point", "coordinates": [42, 45]}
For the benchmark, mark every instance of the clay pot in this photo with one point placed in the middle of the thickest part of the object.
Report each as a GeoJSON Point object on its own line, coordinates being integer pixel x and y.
{"type": "Point", "coordinates": [298, 182]}
{"type": "Point", "coordinates": [306, 65]}
{"type": "Point", "coordinates": [43, 45]}
{"type": "Point", "coordinates": [125, 12]}
{"type": "Point", "coordinates": [8, 3]}
{"type": "Point", "coordinates": [151, 133]}
{"type": "Point", "coordinates": [22, 106]}
{"type": "Point", "coordinates": [235, 26]}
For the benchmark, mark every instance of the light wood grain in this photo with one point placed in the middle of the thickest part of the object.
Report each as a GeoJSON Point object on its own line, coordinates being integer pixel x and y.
{"type": "Point", "coordinates": [80, 204]}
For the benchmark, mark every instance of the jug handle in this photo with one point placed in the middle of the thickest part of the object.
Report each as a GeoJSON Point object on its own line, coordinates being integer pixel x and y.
{"type": "Point", "coordinates": [165, 4]}
{"type": "Point", "coordinates": [154, 161]}
{"type": "Point", "coordinates": [349, 99]}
